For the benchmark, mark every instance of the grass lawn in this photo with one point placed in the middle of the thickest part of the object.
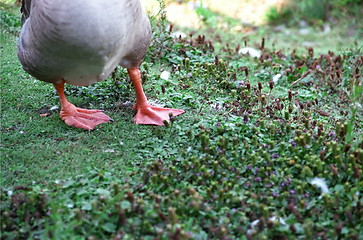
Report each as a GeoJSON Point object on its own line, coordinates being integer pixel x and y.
{"type": "Point", "coordinates": [270, 147]}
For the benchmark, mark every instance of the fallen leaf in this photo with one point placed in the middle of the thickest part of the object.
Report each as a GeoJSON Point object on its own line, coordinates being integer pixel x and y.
{"type": "Point", "coordinates": [44, 114]}
{"type": "Point", "coordinates": [322, 113]}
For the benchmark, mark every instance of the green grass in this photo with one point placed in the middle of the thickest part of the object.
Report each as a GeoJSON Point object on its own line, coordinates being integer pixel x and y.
{"type": "Point", "coordinates": [238, 154]}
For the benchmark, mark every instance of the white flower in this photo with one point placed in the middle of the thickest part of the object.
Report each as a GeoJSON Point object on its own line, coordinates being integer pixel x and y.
{"type": "Point", "coordinates": [10, 193]}
{"type": "Point", "coordinates": [165, 75]}
{"type": "Point", "coordinates": [54, 108]}
{"type": "Point", "coordinates": [320, 183]}
{"type": "Point", "coordinates": [110, 150]}
{"type": "Point", "coordinates": [249, 231]}
{"type": "Point", "coordinates": [178, 34]}
{"type": "Point", "coordinates": [276, 78]}
{"type": "Point", "coordinates": [327, 28]}
{"type": "Point", "coordinates": [254, 223]}
{"type": "Point", "coordinates": [251, 51]}
{"type": "Point", "coordinates": [272, 219]}
{"type": "Point", "coordinates": [304, 31]}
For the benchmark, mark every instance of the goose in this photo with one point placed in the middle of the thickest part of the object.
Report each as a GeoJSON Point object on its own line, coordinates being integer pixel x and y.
{"type": "Point", "coordinates": [80, 42]}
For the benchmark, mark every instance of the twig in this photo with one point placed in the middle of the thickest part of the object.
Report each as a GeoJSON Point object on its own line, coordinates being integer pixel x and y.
{"type": "Point", "coordinates": [229, 111]}
{"type": "Point", "coordinates": [302, 77]}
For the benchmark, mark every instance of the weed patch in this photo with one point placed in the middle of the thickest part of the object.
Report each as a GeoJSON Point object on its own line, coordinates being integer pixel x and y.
{"type": "Point", "coordinates": [270, 147]}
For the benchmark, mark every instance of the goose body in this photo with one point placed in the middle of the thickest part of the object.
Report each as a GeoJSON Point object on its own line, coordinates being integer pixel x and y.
{"type": "Point", "coordinates": [80, 42]}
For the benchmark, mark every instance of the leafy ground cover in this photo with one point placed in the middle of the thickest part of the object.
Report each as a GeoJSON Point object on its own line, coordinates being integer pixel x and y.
{"type": "Point", "coordinates": [270, 146]}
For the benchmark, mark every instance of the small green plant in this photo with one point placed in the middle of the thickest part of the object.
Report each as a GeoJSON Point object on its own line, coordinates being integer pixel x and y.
{"type": "Point", "coordinates": [9, 21]}
{"type": "Point", "coordinates": [106, 93]}
{"type": "Point", "coordinates": [346, 2]}
{"type": "Point", "coordinates": [206, 15]}
{"type": "Point", "coordinates": [313, 11]}
{"type": "Point", "coordinates": [275, 15]}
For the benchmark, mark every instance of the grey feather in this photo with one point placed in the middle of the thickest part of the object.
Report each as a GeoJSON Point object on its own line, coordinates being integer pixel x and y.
{"type": "Point", "coordinates": [25, 10]}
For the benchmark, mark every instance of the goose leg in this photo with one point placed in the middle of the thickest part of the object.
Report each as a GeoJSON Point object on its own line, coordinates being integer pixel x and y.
{"type": "Point", "coordinates": [147, 114]}
{"type": "Point", "coordinates": [78, 117]}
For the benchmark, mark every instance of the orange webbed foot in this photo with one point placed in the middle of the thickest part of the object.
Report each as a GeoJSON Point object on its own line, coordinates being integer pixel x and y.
{"type": "Point", "coordinates": [147, 114]}
{"type": "Point", "coordinates": [151, 115]}
{"type": "Point", "coordinates": [83, 118]}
